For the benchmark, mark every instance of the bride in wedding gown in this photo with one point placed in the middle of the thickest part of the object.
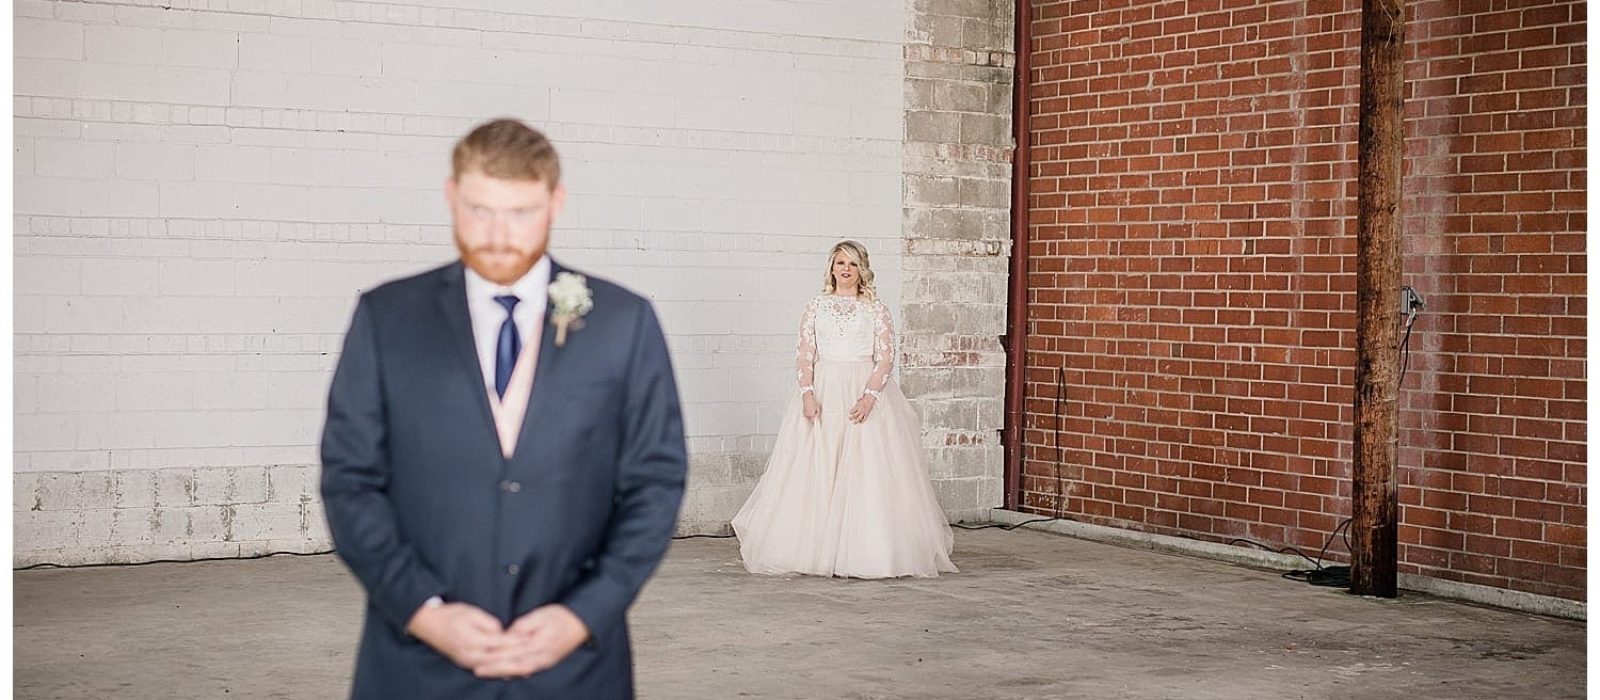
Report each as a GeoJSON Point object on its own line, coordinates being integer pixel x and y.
{"type": "Point", "coordinates": [846, 492]}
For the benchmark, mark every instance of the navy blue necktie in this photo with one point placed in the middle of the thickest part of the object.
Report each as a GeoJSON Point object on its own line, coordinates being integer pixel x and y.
{"type": "Point", "coordinates": [505, 351]}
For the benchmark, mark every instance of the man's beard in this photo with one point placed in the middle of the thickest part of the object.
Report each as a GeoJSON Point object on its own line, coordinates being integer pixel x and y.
{"type": "Point", "coordinates": [502, 265]}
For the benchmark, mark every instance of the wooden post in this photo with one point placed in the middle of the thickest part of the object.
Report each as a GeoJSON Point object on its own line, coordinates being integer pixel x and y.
{"type": "Point", "coordinates": [1377, 389]}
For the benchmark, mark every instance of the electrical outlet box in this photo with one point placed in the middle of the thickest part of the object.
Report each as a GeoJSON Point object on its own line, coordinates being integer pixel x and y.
{"type": "Point", "coordinates": [1410, 301]}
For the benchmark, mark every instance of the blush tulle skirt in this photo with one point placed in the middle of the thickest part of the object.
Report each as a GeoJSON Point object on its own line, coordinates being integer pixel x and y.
{"type": "Point", "coordinates": [845, 499]}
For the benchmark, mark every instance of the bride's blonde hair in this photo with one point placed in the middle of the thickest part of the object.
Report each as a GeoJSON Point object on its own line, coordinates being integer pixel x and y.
{"type": "Point", "coordinates": [857, 253]}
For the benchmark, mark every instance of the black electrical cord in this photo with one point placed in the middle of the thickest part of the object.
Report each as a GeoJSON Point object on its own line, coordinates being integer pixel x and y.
{"type": "Point", "coordinates": [1327, 576]}
{"type": "Point", "coordinates": [1003, 526]}
{"type": "Point", "coordinates": [1339, 576]}
{"type": "Point", "coordinates": [1320, 574]}
{"type": "Point", "coordinates": [1405, 349]}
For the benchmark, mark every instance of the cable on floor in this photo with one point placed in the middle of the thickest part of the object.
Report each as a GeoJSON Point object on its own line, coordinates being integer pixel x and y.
{"type": "Point", "coordinates": [1321, 574]}
{"type": "Point", "coordinates": [1003, 526]}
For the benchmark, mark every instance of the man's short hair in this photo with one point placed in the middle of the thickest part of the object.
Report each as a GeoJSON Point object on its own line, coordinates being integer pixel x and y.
{"type": "Point", "coordinates": [507, 149]}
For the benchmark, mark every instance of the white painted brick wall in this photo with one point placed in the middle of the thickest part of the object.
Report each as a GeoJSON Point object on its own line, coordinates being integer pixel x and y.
{"type": "Point", "coordinates": [202, 188]}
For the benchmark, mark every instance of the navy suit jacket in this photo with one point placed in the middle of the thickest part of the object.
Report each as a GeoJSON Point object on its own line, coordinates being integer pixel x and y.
{"type": "Point", "coordinates": [421, 502]}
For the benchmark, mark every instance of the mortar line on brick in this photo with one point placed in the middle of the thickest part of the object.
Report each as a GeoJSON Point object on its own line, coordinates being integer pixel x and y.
{"type": "Point", "coordinates": [498, 28]}
{"type": "Point", "coordinates": [822, 144]}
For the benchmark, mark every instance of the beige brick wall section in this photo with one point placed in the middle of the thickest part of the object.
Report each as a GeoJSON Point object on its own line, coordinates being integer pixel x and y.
{"type": "Point", "coordinates": [956, 198]}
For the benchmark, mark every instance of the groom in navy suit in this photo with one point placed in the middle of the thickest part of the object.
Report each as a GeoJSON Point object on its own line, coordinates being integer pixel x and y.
{"type": "Point", "coordinates": [503, 458]}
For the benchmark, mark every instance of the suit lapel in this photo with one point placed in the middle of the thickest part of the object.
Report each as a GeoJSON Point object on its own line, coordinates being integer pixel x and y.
{"type": "Point", "coordinates": [542, 398]}
{"type": "Point", "coordinates": [453, 303]}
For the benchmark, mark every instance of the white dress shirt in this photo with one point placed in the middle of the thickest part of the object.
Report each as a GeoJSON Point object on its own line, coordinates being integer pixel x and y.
{"type": "Point", "coordinates": [488, 314]}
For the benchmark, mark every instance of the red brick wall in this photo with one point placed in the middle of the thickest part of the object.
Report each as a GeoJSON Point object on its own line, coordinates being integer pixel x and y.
{"type": "Point", "coordinates": [1192, 231]}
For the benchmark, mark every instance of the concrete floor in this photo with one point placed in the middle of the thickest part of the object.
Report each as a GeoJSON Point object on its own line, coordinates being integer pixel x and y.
{"type": "Point", "coordinates": [1032, 615]}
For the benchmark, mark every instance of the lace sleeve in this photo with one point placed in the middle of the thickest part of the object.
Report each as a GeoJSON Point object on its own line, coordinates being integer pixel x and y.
{"type": "Point", "coordinates": [882, 349]}
{"type": "Point", "coordinates": [805, 354]}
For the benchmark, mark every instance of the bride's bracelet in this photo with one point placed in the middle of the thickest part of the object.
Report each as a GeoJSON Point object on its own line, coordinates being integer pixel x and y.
{"type": "Point", "coordinates": [874, 393]}
{"type": "Point", "coordinates": [807, 390]}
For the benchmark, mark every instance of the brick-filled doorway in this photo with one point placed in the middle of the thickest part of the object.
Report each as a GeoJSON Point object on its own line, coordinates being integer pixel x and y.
{"type": "Point", "coordinates": [1191, 275]}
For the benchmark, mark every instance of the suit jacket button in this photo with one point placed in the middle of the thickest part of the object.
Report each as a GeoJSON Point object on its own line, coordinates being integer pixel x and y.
{"type": "Point", "coordinates": [513, 569]}
{"type": "Point", "coordinates": [511, 486]}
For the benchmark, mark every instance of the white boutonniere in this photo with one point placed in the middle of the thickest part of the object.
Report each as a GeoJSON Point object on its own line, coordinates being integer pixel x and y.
{"type": "Point", "coordinates": [571, 298]}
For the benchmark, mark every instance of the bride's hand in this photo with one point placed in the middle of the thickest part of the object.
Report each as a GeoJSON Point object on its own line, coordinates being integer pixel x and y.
{"type": "Point", "coordinates": [812, 408]}
{"type": "Point", "coordinates": [862, 409]}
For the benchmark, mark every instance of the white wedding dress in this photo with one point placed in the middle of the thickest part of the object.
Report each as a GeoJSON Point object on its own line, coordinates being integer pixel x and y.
{"type": "Point", "coordinates": [840, 498]}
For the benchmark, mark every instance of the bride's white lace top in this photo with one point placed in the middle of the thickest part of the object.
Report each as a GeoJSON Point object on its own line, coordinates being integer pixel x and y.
{"type": "Point", "coordinates": [846, 328]}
